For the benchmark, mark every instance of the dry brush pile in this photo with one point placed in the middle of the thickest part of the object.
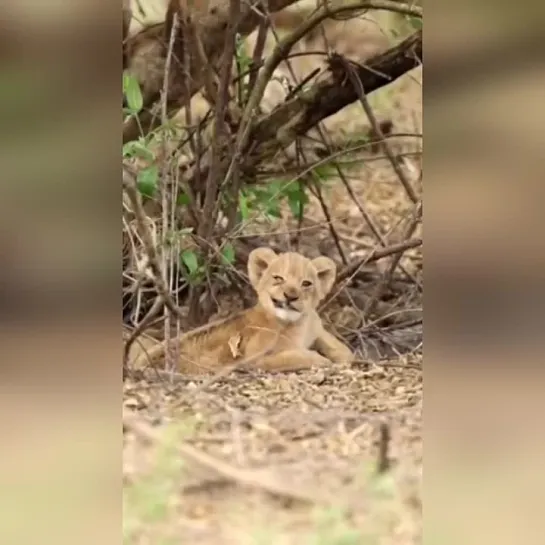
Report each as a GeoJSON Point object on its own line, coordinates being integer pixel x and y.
{"type": "Point", "coordinates": [230, 143]}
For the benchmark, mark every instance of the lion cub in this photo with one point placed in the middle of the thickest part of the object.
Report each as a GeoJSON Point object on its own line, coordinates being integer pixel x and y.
{"type": "Point", "coordinates": [283, 326]}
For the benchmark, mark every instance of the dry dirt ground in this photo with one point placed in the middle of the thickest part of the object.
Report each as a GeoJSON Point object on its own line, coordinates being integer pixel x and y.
{"type": "Point", "coordinates": [322, 457]}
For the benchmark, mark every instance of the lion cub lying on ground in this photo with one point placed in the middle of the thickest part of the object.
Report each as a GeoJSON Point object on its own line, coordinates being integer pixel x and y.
{"type": "Point", "coordinates": [282, 332]}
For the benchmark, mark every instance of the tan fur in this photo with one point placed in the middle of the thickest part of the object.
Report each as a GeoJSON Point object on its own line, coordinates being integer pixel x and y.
{"type": "Point", "coordinates": [284, 320]}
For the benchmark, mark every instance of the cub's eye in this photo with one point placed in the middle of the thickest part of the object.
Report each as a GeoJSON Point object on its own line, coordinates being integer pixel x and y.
{"type": "Point", "coordinates": [306, 283]}
{"type": "Point", "coordinates": [278, 279]}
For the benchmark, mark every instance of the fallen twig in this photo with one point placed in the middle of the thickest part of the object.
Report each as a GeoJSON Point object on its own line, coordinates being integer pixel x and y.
{"type": "Point", "coordinates": [262, 479]}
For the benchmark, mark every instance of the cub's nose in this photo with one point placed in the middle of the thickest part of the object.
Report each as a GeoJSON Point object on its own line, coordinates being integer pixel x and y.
{"type": "Point", "coordinates": [291, 295]}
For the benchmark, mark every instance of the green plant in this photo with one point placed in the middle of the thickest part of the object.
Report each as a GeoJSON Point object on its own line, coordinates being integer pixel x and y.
{"type": "Point", "coordinates": [266, 200]}
{"type": "Point", "coordinates": [150, 500]}
{"type": "Point", "coordinates": [244, 63]}
{"type": "Point", "coordinates": [133, 95]}
{"type": "Point", "coordinates": [334, 528]}
{"type": "Point", "coordinates": [148, 177]}
{"type": "Point", "coordinates": [193, 266]}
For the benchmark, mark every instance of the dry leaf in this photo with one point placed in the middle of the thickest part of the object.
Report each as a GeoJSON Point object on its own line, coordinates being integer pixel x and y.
{"type": "Point", "coordinates": [234, 345]}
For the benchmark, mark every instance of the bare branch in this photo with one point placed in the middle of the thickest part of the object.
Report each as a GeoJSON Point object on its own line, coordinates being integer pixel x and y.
{"type": "Point", "coordinates": [346, 273]}
{"type": "Point", "coordinates": [130, 187]}
{"type": "Point", "coordinates": [214, 27]}
{"type": "Point", "coordinates": [295, 117]}
{"type": "Point", "coordinates": [377, 254]}
{"type": "Point", "coordinates": [351, 72]}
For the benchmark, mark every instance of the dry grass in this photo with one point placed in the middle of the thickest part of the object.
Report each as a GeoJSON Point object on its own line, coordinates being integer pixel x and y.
{"type": "Point", "coordinates": [302, 450]}
{"type": "Point", "coordinates": [297, 458]}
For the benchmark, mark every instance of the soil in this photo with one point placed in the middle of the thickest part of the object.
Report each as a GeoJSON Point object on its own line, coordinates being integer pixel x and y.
{"type": "Point", "coordinates": [318, 437]}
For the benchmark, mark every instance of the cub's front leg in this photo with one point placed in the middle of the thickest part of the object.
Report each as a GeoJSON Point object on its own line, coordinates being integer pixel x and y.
{"type": "Point", "coordinates": [333, 349]}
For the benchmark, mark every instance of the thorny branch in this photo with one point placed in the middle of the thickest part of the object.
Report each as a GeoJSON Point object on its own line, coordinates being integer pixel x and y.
{"type": "Point", "coordinates": [386, 281]}
{"type": "Point", "coordinates": [346, 273]}
{"type": "Point", "coordinates": [377, 254]}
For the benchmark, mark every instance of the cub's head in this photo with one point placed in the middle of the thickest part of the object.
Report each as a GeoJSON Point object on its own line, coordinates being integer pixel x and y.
{"type": "Point", "coordinates": [289, 285]}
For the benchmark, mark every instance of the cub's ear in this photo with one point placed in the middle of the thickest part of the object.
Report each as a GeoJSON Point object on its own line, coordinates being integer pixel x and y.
{"type": "Point", "coordinates": [326, 271]}
{"type": "Point", "coordinates": [258, 262]}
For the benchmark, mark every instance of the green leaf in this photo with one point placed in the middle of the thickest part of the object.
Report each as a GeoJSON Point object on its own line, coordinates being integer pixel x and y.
{"type": "Point", "coordinates": [275, 188]}
{"type": "Point", "coordinates": [415, 22]}
{"type": "Point", "coordinates": [137, 148]}
{"type": "Point", "coordinates": [128, 149]}
{"type": "Point", "coordinates": [295, 206]}
{"type": "Point", "coordinates": [324, 172]}
{"type": "Point", "coordinates": [189, 259]}
{"type": "Point", "coordinates": [273, 210]}
{"type": "Point", "coordinates": [147, 180]}
{"type": "Point", "coordinates": [228, 253]}
{"type": "Point", "coordinates": [297, 199]}
{"type": "Point", "coordinates": [243, 58]}
{"type": "Point", "coordinates": [243, 206]}
{"type": "Point", "coordinates": [260, 194]}
{"type": "Point", "coordinates": [131, 88]}
{"type": "Point", "coordinates": [185, 231]}
{"type": "Point", "coordinates": [182, 199]}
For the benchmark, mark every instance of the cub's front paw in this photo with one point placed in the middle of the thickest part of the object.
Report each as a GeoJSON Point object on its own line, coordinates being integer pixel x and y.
{"type": "Point", "coordinates": [342, 355]}
{"type": "Point", "coordinates": [318, 360]}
